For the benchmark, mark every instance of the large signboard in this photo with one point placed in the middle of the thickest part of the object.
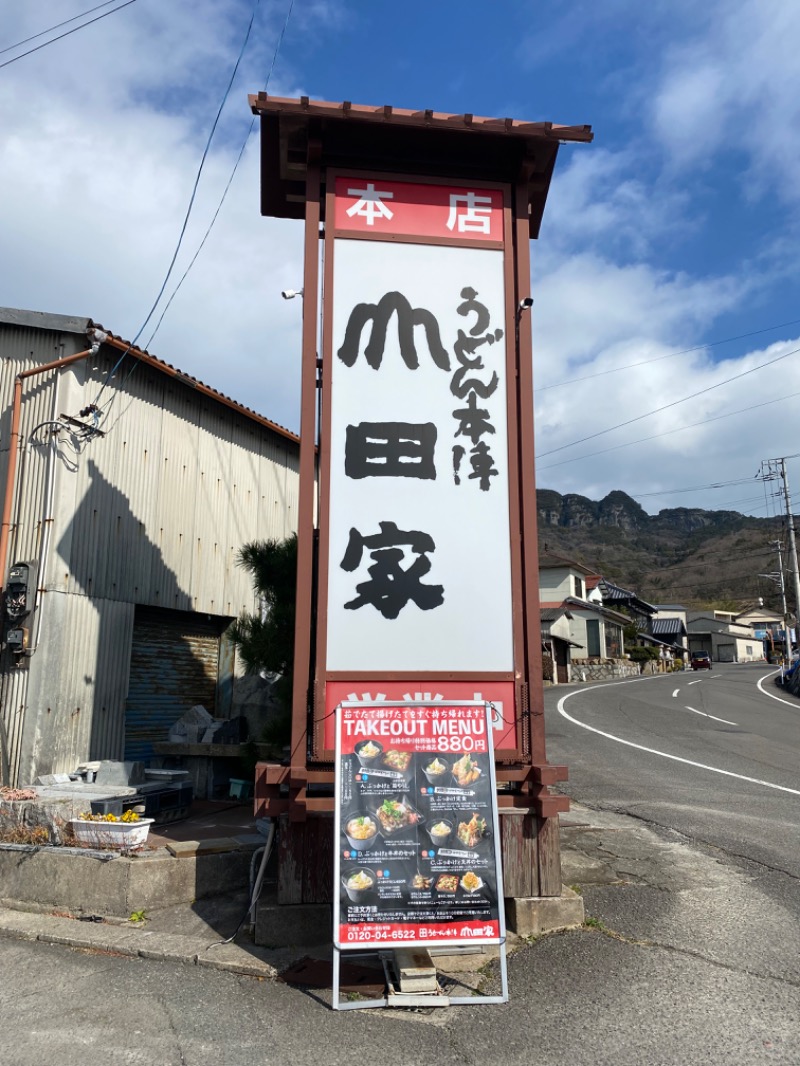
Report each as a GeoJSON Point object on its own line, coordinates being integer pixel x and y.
{"type": "Point", "coordinates": [416, 827]}
{"type": "Point", "coordinates": [418, 557]}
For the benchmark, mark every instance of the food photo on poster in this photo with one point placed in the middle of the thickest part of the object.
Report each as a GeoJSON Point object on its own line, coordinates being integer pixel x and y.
{"type": "Point", "coordinates": [416, 826]}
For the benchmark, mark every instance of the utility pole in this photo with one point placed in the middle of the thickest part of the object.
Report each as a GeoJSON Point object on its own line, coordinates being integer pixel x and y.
{"type": "Point", "coordinates": [770, 469]}
{"type": "Point", "coordinates": [792, 544]}
{"type": "Point", "coordinates": [778, 579]}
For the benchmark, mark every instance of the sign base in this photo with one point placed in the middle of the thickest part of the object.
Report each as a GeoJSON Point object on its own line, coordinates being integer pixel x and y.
{"type": "Point", "coordinates": [395, 998]}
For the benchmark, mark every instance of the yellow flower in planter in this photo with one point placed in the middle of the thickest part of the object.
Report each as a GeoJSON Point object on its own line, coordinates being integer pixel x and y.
{"type": "Point", "coordinates": [128, 816]}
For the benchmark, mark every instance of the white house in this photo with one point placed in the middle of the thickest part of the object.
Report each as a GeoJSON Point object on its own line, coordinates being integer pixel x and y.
{"type": "Point", "coordinates": [594, 628]}
{"type": "Point", "coordinates": [726, 641]}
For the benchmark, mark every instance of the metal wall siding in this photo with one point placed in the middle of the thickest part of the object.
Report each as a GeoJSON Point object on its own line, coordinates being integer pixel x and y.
{"type": "Point", "coordinates": [165, 502]}
{"type": "Point", "coordinates": [174, 666]}
{"type": "Point", "coordinates": [77, 680]}
{"type": "Point", "coordinates": [14, 700]}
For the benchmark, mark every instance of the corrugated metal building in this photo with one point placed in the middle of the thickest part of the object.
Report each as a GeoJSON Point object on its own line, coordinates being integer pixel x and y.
{"type": "Point", "coordinates": [135, 534]}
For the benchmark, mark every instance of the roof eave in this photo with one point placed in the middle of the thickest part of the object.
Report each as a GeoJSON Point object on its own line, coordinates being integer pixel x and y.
{"type": "Point", "coordinates": [400, 141]}
{"type": "Point", "coordinates": [192, 382]}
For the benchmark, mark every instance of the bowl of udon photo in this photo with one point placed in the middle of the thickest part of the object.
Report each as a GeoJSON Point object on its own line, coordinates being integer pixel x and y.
{"type": "Point", "coordinates": [435, 770]}
{"type": "Point", "coordinates": [361, 831]}
{"type": "Point", "coordinates": [358, 884]}
{"type": "Point", "coordinates": [368, 752]}
{"type": "Point", "coordinates": [440, 831]}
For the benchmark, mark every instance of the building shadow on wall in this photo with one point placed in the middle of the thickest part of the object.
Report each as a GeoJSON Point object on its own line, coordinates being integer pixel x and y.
{"type": "Point", "coordinates": [122, 594]}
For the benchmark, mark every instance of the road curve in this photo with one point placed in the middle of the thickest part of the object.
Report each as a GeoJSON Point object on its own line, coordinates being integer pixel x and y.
{"type": "Point", "coordinates": [715, 756]}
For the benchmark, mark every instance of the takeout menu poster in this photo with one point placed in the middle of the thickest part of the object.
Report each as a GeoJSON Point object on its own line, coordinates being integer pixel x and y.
{"type": "Point", "coordinates": [444, 730]}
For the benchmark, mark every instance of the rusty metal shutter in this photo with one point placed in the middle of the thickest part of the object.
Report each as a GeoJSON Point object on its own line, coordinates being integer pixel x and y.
{"type": "Point", "coordinates": [174, 665]}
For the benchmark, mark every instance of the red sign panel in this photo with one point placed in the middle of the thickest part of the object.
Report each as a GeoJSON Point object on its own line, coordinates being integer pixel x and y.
{"type": "Point", "coordinates": [400, 208]}
{"type": "Point", "coordinates": [500, 694]}
{"type": "Point", "coordinates": [417, 832]}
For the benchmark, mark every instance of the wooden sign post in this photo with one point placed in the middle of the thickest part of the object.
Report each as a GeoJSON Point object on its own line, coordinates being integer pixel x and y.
{"type": "Point", "coordinates": [418, 563]}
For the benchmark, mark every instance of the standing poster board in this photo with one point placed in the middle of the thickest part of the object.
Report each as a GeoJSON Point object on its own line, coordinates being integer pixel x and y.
{"type": "Point", "coordinates": [416, 826]}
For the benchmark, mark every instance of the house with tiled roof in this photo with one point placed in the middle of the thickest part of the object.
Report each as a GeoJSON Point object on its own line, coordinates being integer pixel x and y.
{"type": "Point", "coordinates": [594, 630]}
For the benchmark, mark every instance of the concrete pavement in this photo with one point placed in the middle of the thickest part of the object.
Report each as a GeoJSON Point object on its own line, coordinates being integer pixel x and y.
{"type": "Point", "coordinates": [688, 958]}
{"type": "Point", "coordinates": [649, 885]}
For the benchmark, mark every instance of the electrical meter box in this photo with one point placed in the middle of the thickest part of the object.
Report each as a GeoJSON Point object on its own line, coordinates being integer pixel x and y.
{"type": "Point", "coordinates": [17, 639]}
{"type": "Point", "coordinates": [20, 591]}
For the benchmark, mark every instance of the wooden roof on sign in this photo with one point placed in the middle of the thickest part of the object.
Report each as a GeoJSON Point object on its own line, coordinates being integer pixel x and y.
{"type": "Point", "coordinates": [396, 140]}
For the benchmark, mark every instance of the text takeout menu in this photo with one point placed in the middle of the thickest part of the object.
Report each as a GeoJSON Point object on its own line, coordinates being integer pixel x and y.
{"type": "Point", "coordinates": [416, 827]}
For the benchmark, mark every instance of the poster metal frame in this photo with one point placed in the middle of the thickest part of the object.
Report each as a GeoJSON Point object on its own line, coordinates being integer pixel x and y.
{"type": "Point", "coordinates": [429, 999]}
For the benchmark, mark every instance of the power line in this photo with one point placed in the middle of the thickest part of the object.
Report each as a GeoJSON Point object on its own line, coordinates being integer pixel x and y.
{"type": "Point", "coordinates": [61, 36]}
{"type": "Point", "coordinates": [58, 25]}
{"type": "Point", "coordinates": [182, 233]}
{"type": "Point", "coordinates": [739, 579]}
{"type": "Point", "coordinates": [689, 562]}
{"type": "Point", "coordinates": [670, 355]}
{"type": "Point", "coordinates": [227, 187]}
{"type": "Point", "coordinates": [213, 219]}
{"type": "Point", "coordinates": [696, 488]}
{"type": "Point", "coordinates": [668, 432]}
{"type": "Point", "coordinates": [723, 505]}
{"type": "Point", "coordinates": [667, 406]}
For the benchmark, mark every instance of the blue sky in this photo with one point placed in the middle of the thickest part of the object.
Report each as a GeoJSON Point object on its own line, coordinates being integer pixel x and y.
{"type": "Point", "coordinates": [676, 229]}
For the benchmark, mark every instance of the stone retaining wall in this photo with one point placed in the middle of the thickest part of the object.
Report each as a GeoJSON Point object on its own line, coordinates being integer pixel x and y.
{"type": "Point", "coordinates": [89, 882]}
{"type": "Point", "coordinates": [601, 669]}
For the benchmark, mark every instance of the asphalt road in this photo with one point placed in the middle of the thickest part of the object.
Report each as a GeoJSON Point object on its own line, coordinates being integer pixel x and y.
{"type": "Point", "coordinates": [692, 957]}
{"type": "Point", "coordinates": [711, 754]}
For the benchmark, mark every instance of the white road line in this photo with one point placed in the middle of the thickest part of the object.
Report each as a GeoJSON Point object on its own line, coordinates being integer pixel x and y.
{"type": "Point", "coordinates": [675, 693]}
{"type": "Point", "coordinates": [725, 720]}
{"type": "Point", "coordinates": [772, 696]}
{"type": "Point", "coordinates": [697, 682]}
{"type": "Point", "coordinates": [664, 754]}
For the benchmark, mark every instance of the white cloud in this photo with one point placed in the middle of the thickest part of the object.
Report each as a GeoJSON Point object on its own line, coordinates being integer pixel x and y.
{"type": "Point", "coordinates": [734, 86]}
{"type": "Point", "coordinates": [588, 308]}
{"type": "Point", "coordinates": [103, 134]}
{"type": "Point", "coordinates": [761, 425]}
{"type": "Point", "coordinates": [608, 199]}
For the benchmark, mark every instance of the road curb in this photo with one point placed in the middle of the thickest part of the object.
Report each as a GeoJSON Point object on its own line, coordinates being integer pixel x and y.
{"type": "Point", "coordinates": [108, 938]}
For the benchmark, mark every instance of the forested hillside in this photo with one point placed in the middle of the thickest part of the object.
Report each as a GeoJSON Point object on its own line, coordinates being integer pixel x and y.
{"type": "Point", "coordinates": [681, 555]}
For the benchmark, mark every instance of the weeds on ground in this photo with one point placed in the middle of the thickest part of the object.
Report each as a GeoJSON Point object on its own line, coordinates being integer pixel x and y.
{"type": "Point", "coordinates": [22, 834]}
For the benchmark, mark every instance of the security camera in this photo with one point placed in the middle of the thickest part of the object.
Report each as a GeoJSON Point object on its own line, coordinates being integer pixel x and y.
{"type": "Point", "coordinates": [526, 303]}
{"type": "Point", "coordinates": [289, 294]}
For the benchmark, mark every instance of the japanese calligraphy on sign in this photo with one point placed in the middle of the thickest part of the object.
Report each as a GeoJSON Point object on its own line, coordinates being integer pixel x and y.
{"type": "Point", "coordinates": [389, 208]}
{"type": "Point", "coordinates": [419, 558]}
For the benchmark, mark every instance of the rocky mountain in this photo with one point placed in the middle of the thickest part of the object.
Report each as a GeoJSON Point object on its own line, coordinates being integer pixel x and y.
{"type": "Point", "coordinates": [680, 555]}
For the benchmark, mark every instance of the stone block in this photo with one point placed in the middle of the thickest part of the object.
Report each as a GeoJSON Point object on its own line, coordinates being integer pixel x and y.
{"type": "Point", "coordinates": [535, 915]}
{"type": "Point", "coordinates": [85, 882]}
{"type": "Point", "coordinates": [111, 772]}
{"type": "Point", "coordinates": [415, 970]}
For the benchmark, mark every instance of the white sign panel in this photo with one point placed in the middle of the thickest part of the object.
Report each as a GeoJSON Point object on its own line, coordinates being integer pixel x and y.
{"type": "Point", "coordinates": [419, 566]}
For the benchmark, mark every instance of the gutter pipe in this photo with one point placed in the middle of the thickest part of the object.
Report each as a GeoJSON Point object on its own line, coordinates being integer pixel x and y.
{"type": "Point", "coordinates": [13, 442]}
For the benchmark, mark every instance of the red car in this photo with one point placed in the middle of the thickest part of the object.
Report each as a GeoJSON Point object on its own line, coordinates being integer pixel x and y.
{"type": "Point", "coordinates": [701, 660]}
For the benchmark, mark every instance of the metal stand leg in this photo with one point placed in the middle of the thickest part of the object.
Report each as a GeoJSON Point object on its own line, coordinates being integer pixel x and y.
{"type": "Point", "coordinates": [503, 997]}
{"type": "Point", "coordinates": [337, 1003]}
